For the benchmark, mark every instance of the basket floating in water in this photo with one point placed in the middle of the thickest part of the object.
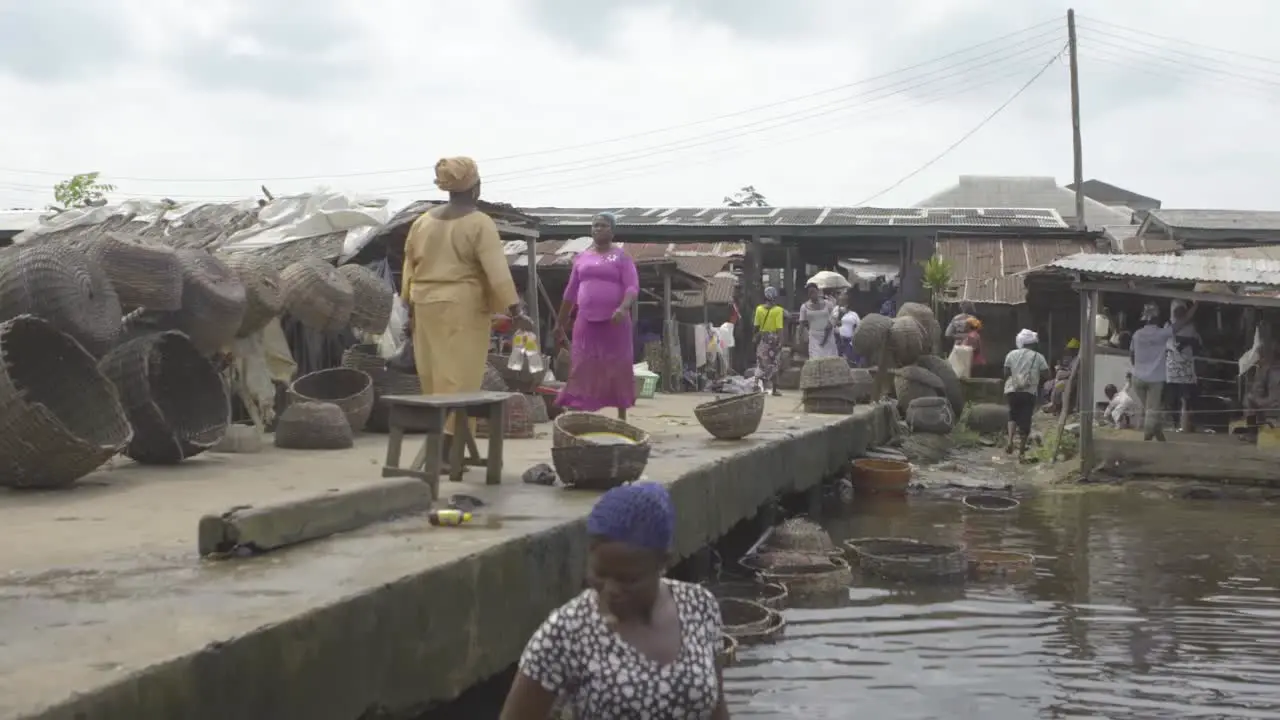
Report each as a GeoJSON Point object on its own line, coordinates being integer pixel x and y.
{"type": "Point", "coordinates": [986, 564]}
{"type": "Point", "coordinates": [743, 616]}
{"type": "Point", "coordinates": [821, 576]}
{"type": "Point", "coordinates": [873, 476]}
{"type": "Point", "coordinates": [855, 547]}
{"type": "Point", "coordinates": [990, 502]}
{"type": "Point", "coordinates": [914, 561]}
{"type": "Point", "coordinates": [800, 535]}
{"type": "Point", "coordinates": [770, 595]}
{"type": "Point", "coordinates": [770, 631]}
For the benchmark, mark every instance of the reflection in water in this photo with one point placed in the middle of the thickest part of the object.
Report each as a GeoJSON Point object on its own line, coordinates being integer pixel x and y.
{"type": "Point", "coordinates": [1140, 607]}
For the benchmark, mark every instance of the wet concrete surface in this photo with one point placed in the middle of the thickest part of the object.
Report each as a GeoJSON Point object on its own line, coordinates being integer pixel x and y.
{"type": "Point", "coordinates": [108, 613]}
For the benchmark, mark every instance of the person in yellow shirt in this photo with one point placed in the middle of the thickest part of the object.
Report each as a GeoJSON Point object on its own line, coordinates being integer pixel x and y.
{"type": "Point", "coordinates": [768, 324]}
{"type": "Point", "coordinates": [455, 277]}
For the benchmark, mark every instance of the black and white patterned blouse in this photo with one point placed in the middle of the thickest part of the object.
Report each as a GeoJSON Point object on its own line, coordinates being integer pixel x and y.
{"type": "Point", "coordinates": [599, 675]}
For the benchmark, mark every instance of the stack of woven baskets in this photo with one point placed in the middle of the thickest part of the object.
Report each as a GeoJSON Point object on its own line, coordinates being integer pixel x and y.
{"type": "Point", "coordinates": [828, 386]}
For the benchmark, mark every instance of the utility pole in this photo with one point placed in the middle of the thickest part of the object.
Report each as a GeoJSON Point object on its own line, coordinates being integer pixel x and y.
{"type": "Point", "coordinates": [1075, 118]}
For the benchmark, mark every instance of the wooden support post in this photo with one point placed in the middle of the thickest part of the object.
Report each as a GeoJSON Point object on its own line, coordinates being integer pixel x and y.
{"type": "Point", "coordinates": [789, 280]}
{"type": "Point", "coordinates": [674, 369]}
{"type": "Point", "coordinates": [1089, 304]}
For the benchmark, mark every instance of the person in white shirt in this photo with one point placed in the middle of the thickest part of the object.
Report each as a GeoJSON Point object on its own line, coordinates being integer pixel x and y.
{"type": "Point", "coordinates": [1180, 367]}
{"type": "Point", "coordinates": [1123, 409]}
{"type": "Point", "coordinates": [848, 321]}
{"type": "Point", "coordinates": [1024, 369]}
{"type": "Point", "coordinates": [1148, 351]}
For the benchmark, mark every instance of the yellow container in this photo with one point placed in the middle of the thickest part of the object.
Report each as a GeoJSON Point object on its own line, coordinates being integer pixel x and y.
{"type": "Point", "coordinates": [1269, 438]}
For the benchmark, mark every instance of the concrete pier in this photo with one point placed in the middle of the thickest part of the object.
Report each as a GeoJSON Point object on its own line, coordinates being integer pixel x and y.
{"type": "Point", "coordinates": [107, 613]}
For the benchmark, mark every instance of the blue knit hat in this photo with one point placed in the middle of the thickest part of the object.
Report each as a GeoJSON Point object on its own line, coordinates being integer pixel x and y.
{"type": "Point", "coordinates": [639, 514]}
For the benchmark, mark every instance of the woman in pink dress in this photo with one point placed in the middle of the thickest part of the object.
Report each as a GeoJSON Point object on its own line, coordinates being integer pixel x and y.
{"type": "Point", "coordinates": [603, 286]}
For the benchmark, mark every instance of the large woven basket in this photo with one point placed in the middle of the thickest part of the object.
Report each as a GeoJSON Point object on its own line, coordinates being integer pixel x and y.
{"type": "Point", "coordinates": [951, 386]}
{"type": "Point", "coordinates": [855, 547]}
{"type": "Point", "coordinates": [771, 631]}
{"type": "Point", "coordinates": [907, 340]}
{"type": "Point", "coordinates": [64, 288]}
{"type": "Point", "coordinates": [262, 290]}
{"type": "Point", "coordinates": [823, 577]}
{"type": "Point", "coordinates": [928, 322]}
{"type": "Point", "coordinates": [824, 372]}
{"type": "Point", "coordinates": [174, 397]}
{"type": "Point", "coordinates": [987, 418]}
{"type": "Point", "coordinates": [915, 561]}
{"type": "Point", "coordinates": [371, 299]}
{"type": "Point", "coordinates": [517, 419]}
{"type": "Point", "coordinates": [739, 615]}
{"type": "Point", "coordinates": [390, 382]}
{"type": "Point", "coordinates": [599, 467]}
{"type": "Point", "coordinates": [364, 358]}
{"type": "Point", "coordinates": [770, 595]}
{"type": "Point", "coordinates": [567, 430]}
{"type": "Point", "coordinates": [60, 417]}
{"type": "Point", "coordinates": [351, 390]}
{"type": "Point", "coordinates": [143, 274]}
{"type": "Point", "coordinates": [872, 335]}
{"type": "Point", "coordinates": [733, 417]}
{"type": "Point", "coordinates": [800, 535]}
{"type": "Point", "coordinates": [990, 564]}
{"type": "Point", "coordinates": [313, 426]}
{"type": "Point", "coordinates": [314, 292]}
{"type": "Point", "coordinates": [914, 382]}
{"type": "Point", "coordinates": [213, 301]}
{"type": "Point", "coordinates": [538, 411]}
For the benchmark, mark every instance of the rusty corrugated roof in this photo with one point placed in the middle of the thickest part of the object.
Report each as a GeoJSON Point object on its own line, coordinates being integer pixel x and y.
{"type": "Point", "coordinates": [634, 218]}
{"type": "Point", "coordinates": [1126, 240]}
{"type": "Point", "coordinates": [701, 259]}
{"type": "Point", "coordinates": [1184, 268]}
{"type": "Point", "coordinates": [993, 270]}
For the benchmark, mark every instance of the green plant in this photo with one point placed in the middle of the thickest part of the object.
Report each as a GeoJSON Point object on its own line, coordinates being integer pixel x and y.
{"type": "Point", "coordinates": [936, 280]}
{"type": "Point", "coordinates": [748, 196]}
{"type": "Point", "coordinates": [79, 191]}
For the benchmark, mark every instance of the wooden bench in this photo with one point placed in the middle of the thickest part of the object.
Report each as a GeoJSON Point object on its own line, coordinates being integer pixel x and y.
{"type": "Point", "coordinates": [428, 413]}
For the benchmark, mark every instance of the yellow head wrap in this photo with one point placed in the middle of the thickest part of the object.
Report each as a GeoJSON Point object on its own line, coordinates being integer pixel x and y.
{"type": "Point", "coordinates": [974, 323]}
{"type": "Point", "coordinates": [457, 174]}
{"type": "Point", "coordinates": [1073, 344]}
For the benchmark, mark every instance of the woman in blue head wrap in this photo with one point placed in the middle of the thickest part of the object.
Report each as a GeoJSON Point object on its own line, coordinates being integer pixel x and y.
{"type": "Point", "coordinates": [603, 286]}
{"type": "Point", "coordinates": [634, 643]}
{"type": "Point", "coordinates": [768, 324]}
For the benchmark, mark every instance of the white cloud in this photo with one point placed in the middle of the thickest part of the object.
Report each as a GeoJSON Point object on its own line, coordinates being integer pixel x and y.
{"type": "Point", "coordinates": [336, 91]}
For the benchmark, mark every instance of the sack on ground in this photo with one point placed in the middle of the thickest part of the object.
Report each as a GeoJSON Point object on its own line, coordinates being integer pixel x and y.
{"type": "Point", "coordinates": [930, 415]}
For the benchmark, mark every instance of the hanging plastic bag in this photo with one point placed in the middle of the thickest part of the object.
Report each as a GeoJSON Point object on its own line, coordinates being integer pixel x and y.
{"type": "Point", "coordinates": [961, 360]}
{"type": "Point", "coordinates": [403, 359]}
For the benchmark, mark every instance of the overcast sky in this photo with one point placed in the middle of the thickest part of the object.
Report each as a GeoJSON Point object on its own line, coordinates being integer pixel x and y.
{"type": "Point", "coordinates": [635, 102]}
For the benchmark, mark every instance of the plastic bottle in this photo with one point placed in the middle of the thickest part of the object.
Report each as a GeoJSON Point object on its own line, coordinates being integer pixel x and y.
{"type": "Point", "coordinates": [534, 353]}
{"type": "Point", "coordinates": [448, 517]}
{"type": "Point", "coordinates": [515, 361]}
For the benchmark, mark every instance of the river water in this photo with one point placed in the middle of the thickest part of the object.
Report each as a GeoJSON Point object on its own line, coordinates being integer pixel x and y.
{"type": "Point", "coordinates": [1141, 606]}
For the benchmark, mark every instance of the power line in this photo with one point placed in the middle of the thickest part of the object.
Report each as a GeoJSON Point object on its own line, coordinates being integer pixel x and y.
{"type": "Point", "coordinates": [1174, 55]}
{"type": "Point", "coordinates": [1174, 63]}
{"type": "Point", "coordinates": [969, 134]}
{"type": "Point", "coordinates": [1179, 41]}
{"type": "Point", "coordinates": [579, 146]}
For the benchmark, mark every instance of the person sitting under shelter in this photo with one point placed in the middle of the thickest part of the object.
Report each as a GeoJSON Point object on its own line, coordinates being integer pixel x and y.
{"type": "Point", "coordinates": [1123, 409]}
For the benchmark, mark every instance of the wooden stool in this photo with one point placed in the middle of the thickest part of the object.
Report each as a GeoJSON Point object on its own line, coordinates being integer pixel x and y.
{"type": "Point", "coordinates": [428, 413]}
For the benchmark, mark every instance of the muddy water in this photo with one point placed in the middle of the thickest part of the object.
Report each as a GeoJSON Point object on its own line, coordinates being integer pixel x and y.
{"type": "Point", "coordinates": [1140, 607]}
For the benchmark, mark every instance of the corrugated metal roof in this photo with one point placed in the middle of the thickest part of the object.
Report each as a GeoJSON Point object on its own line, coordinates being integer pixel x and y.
{"type": "Point", "coordinates": [701, 265]}
{"type": "Point", "coordinates": [1183, 268]}
{"type": "Point", "coordinates": [702, 259]}
{"type": "Point", "coordinates": [719, 291]}
{"type": "Point", "coordinates": [995, 191]}
{"type": "Point", "coordinates": [1125, 239]}
{"type": "Point", "coordinates": [993, 270]}
{"type": "Point", "coordinates": [1266, 220]}
{"type": "Point", "coordinates": [1256, 252]}
{"type": "Point", "coordinates": [15, 221]}
{"type": "Point", "coordinates": [748, 217]}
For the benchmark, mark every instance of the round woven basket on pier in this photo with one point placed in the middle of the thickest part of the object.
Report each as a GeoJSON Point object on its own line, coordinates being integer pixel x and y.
{"type": "Point", "coordinates": [907, 340]}
{"type": "Point", "coordinates": [824, 372]}
{"type": "Point", "coordinates": [568, 429]}
{"type": "Point", "coordinates": [913, 382]}
{"type": "Point", "coordinates": [599, 467]}
{"type": "Point", "coordinates": [144, 274]}
{"type": "Point", "coordinates": [822, 577]}
{"type": "Point", "coordinates": [371, 299]}
{"type": "Point", "coordinates": [62, 287]}
{"type": "Point", "coordinates": [61, 416]}
{"type": "Point", "coordinates": [727, 655]}
{"type": "Point", "coordinates": [855, 547]}
{"type": "Point", "coordinates": [743, 616]}
{"type": "Point", "coordinates": [770, 595]}
{"type": "Point", "coordinates": [313, 426]}
{"type": "Point", "coordinates": [261, 281]}
{"type": "Point", "coordinates": [988, 564]}
{"type": "Point", "coordinates": [872, 335]}
{"type": "Point", "coordinates": [174, 397]}
{"type": "Point", "coordinates": [213, 301]}
{"type": "Point", "coordinates": [951, 386]}
{"type": "Point", "coordinates": [314, 292]}
{"type": "Point", "coordinates": [351, 390]}
{"type": "Point", "coordinates": [915, 561]}
{"type": "Point", "coordinates": [987, 418]}
{"type": "Point", "coordinates": [930, 415]}
{"type": "Point", "coordinates": [928, 323]}
{"type": "Point", "coordinates": [733, 417]}
{"type": "Point", "coordinates": [990, 502]}
{"type": "Point", "coordinates": [517, 419]}
{"type": "Point", "coordinates": [800, 535]}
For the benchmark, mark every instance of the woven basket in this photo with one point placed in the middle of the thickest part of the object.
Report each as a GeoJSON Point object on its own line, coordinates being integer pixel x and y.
{"type": "Point", "coordinates": [351, 390]}
{"type": "Point", "coordinates": [985, 564]}
{"type": "Point", "coordinates": [371, 299]}
{"type": "Point", "coordinates": [907, 340]}
{"type": "Point", "coordinates": [363, 357]}
{"type": "Point", "coordinates": [517, 419]}
{"type": "Point", "coordinates": [824, 372]}
{"type": "Point", "coordinates": [769, 559]}
{"type": "Point", "coordinates": [743, 616]}
{"type": "Point", "coordinates": [521, 381]}
{"type": "Point", "coordinates": [990, 502]}
{"type": "Point", "coordinates": [875, 476]}
{"type": "Point", "coordinates": [855, 547]}
{"type": "Point", "coordinates": [914, 382]}
{"type": "Point", "coordinates": [599, 467]}
{"type": "Point", "coordinates": [727, 655]}
{"type": "Point", "coordinates": [771, 632]}
{"type": "Point", "coordinates": [62, 287]}
{"type": "Point", "coordinates": [315, 293]}
{"type": "Point", "coordinates": [213, 301]}
{"type": "Point", "coordinates": [733, 417]}
{"type": "Point", "coordinates": [539, 413]}
{"type": "Point", "coordinates": [60, 418]}
{"type": "Point", "coordinates": [770, 595]}
{"type": "Point", "coordinates": [800, 535]}
{"type": "Point", "coordinates": [262, 290]}
{"type": "Point", "coordinates": [143, 274]}
{"type": "Point", "coordinates": [313, 426]}
{"type": "Point", "coordinates": [930, 415]}
{"type": "Point", "coordinates": [493, 380]}
{"type": "Point", "coordinates": [915, 561]}
{"type": "Point", "coordinates": [987, 418]}
{"type": "Point", "coordinates": [390, 382]}
{"type": "Point", "coordinates": [828, 406]}
{"type": "Point", "coordinates": [821, 578]}
{"type": "Point", "coordinates": [567, 429]}
{"type": "Point", "coordinates": [174, 397]}
{"type": "Point", "coordinates": [928, 322]}
{"type": "Point", "coordinates": [951, 387]}
{"type": "Point", "coordinates": [871, 335]}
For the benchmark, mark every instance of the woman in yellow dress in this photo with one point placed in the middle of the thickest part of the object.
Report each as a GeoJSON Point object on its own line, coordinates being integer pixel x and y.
{"type": "Point", "coordinates": [455, 278]}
